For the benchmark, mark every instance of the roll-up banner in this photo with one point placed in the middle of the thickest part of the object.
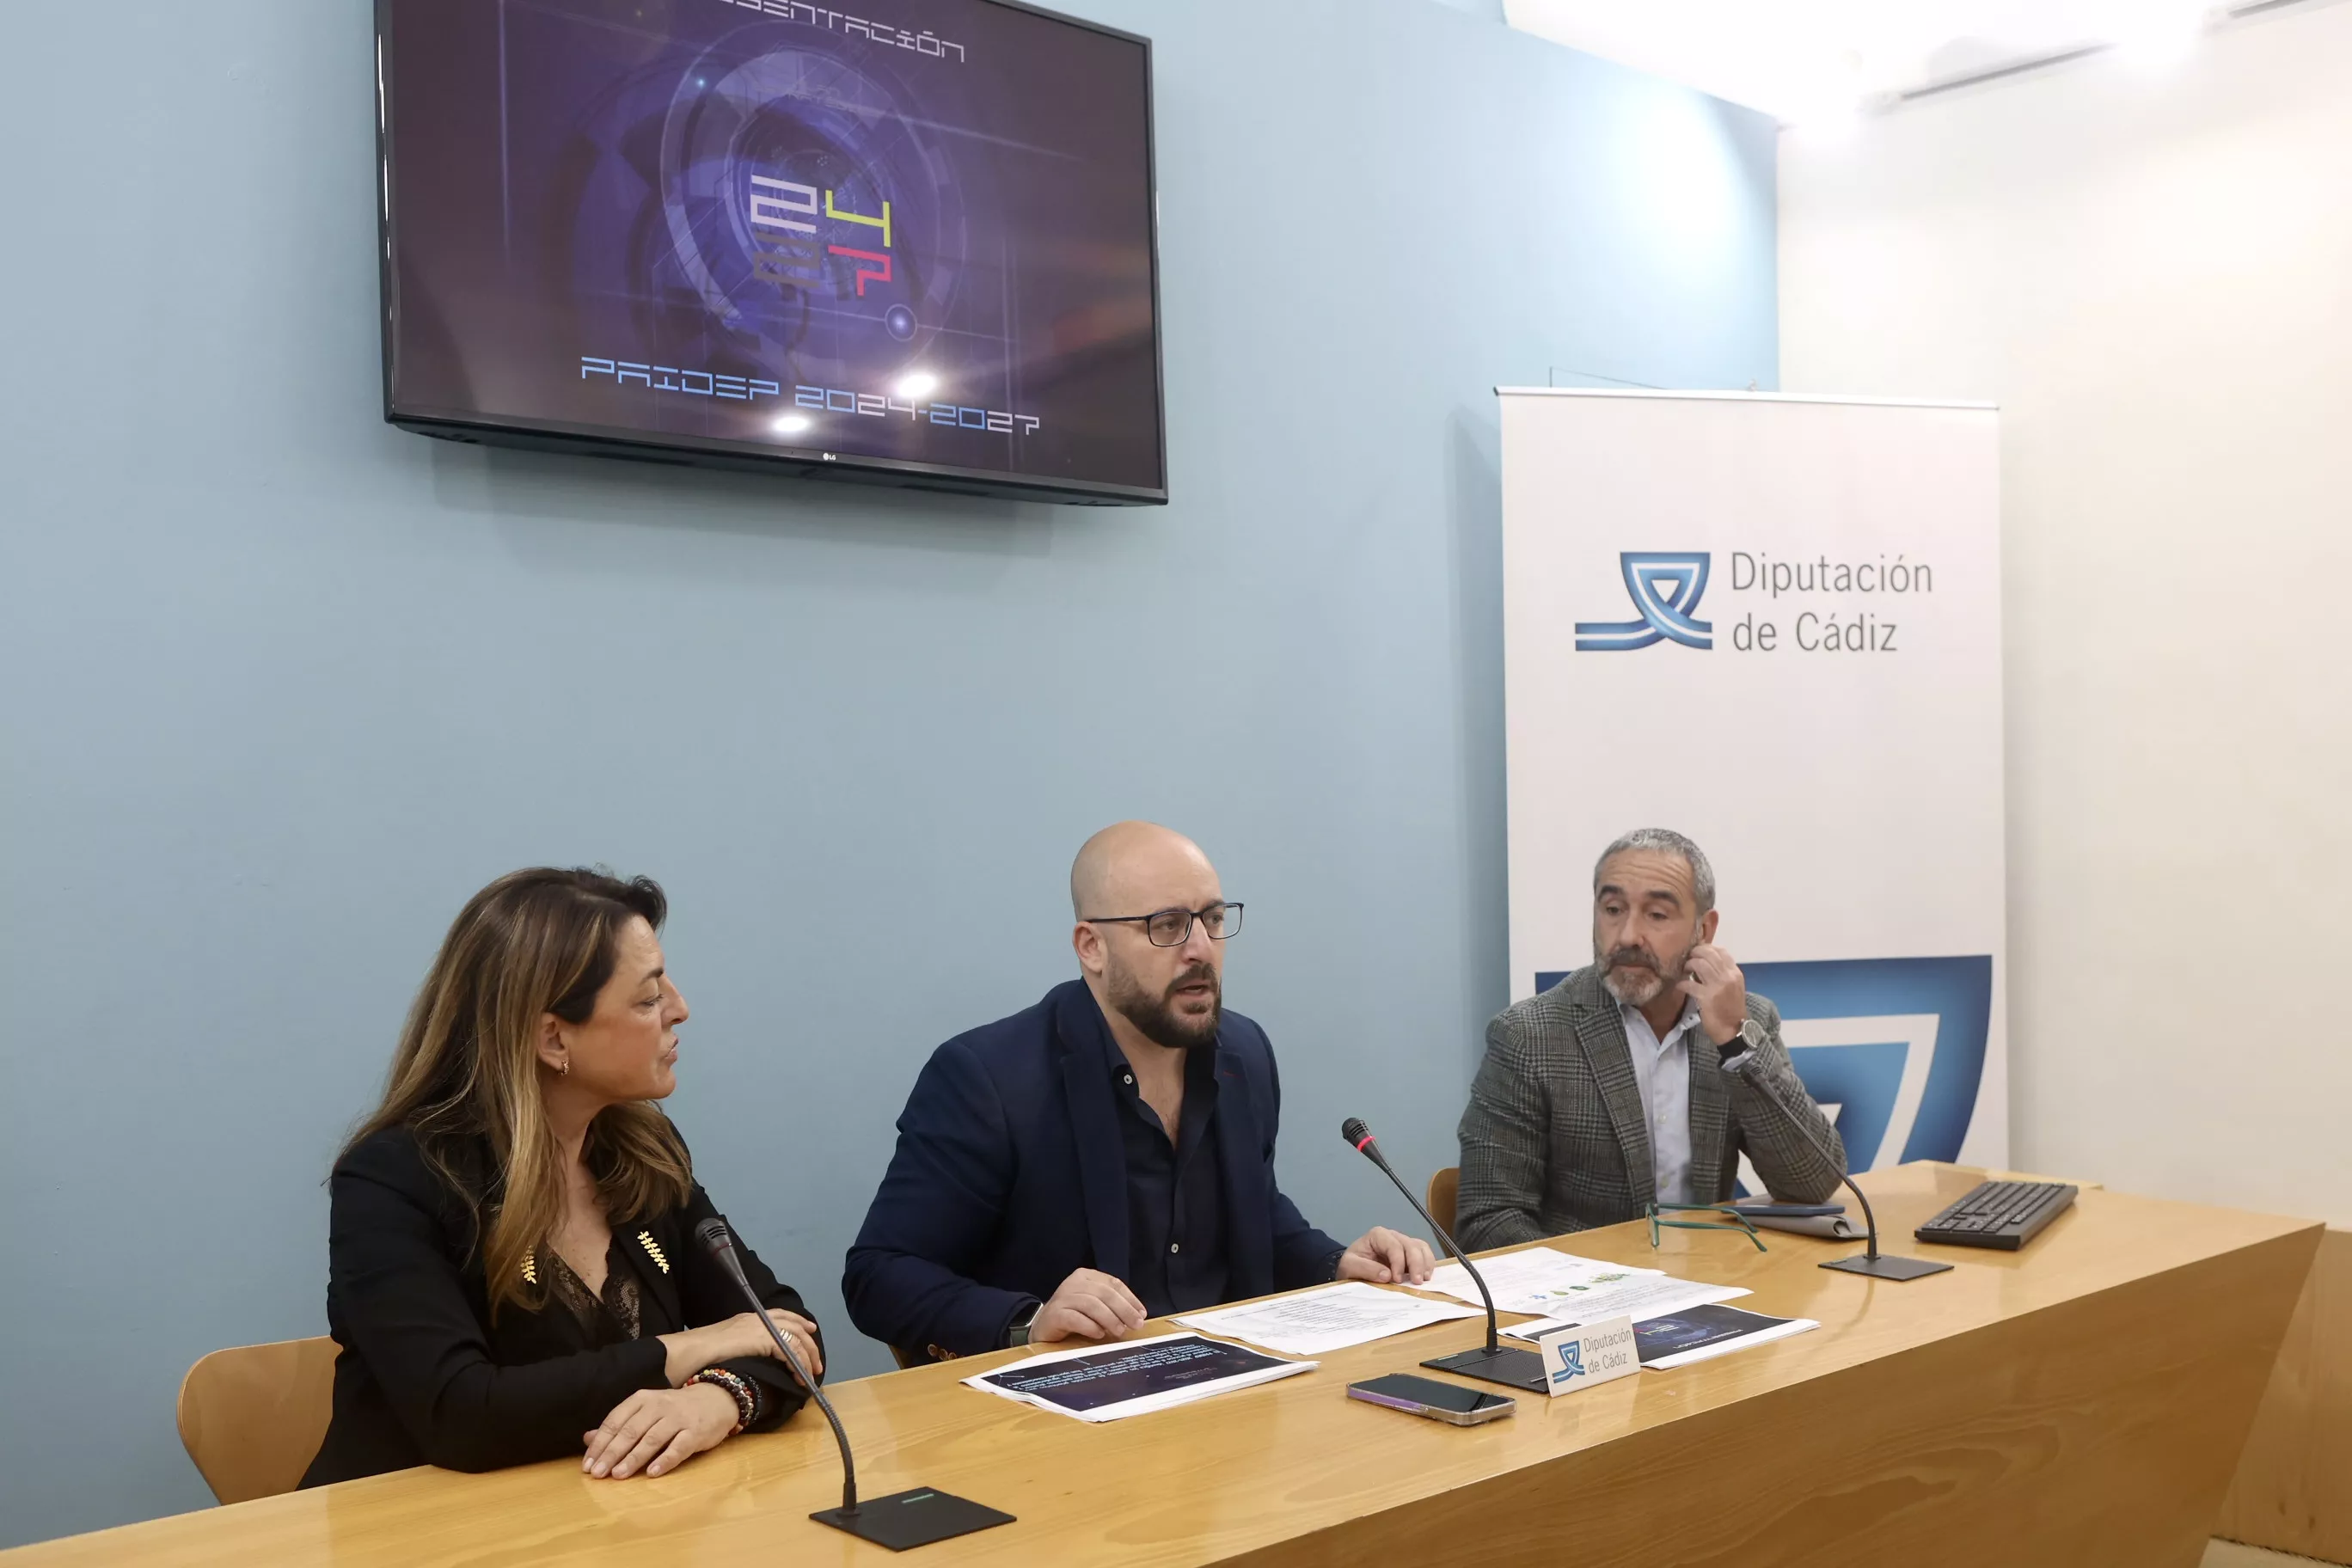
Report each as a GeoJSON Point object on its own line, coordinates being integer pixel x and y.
{"type": "Point", "coordinates": [1773, 623]}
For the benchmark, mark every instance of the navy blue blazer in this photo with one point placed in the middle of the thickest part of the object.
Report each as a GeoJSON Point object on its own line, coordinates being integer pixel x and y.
{"type": "Point", "coordinates": [1010, 1174]}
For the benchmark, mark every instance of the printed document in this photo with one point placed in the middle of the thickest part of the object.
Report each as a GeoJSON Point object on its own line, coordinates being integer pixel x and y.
{"type": "Point", "coordinates": [1702, 1333]}
{"type": "Point", "coordinates": [1332, 1318]}
{"type": "Point", "coordinates": [1642, 1297]}
{"type": "Point", "coordinates": [1110, 1383]}
{"type": "Point", "coordinates": [1561, 1287]}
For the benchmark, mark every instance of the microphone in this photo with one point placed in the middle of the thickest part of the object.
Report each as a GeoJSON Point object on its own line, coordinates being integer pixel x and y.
{"type": "Point", "coordinates": [1872, 1263]}
{"type": "Point", "coordinates": [902, 1519]}
{"type": "Point", "coordinates": [1495, 1362]}
{"type": "Point", "coordinates": [716, 1240]}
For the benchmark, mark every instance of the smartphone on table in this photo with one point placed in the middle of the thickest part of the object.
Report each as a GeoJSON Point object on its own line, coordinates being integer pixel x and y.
{"type": "Point", "coordinates": [1447, 1402]}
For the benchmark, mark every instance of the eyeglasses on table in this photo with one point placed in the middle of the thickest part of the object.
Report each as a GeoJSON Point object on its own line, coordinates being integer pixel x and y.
{"type": "Point", "coordinates": [1738, 1221]}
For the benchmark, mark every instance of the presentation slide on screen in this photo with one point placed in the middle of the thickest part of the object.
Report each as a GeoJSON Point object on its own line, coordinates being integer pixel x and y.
{"type": "Point", "coordinates": [922, 235]}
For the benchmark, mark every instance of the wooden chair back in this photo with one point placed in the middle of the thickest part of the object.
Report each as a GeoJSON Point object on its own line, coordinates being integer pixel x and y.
{"type": "Point", "coordinates": [252, 1418]}
{"type": "Point", "coordinates": [1443, 1188]}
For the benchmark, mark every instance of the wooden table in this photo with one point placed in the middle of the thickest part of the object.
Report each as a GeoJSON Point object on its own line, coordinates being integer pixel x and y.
{"type": "Point", "coordinates": [2080, 1402]}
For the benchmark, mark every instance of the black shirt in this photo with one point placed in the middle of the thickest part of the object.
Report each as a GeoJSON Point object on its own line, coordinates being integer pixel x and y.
{"type": "Point", "coordinates": [1175, 1191]}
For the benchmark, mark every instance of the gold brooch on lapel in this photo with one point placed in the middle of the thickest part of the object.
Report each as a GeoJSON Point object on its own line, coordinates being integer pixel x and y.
{"type": "Point", "coordinates": [530, 1266]}
{"type": "Point", "coordinates": [653, 1250]}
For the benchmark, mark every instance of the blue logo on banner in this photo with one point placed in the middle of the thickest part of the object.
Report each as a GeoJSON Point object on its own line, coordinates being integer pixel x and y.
{"type": "Point", "coordinates": [1666, 587]}
{"type": "Point", "coordinates": [1897, 1044]}
{"type": "Point", "coordinates": [1572, 1360]}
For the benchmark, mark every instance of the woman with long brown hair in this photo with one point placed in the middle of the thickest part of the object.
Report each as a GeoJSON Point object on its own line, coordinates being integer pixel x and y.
{"type": "Point", "coordinates": [513, 1269]}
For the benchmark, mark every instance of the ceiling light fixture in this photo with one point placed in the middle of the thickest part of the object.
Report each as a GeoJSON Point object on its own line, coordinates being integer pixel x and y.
{"type": "Point", "coordinates": [2156, 35]}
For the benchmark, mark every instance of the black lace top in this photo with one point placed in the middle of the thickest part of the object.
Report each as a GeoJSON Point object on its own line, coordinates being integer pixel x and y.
{"type": "Point", "coordinates": [610, 1319]}
{"type": "Point", "coordinates": [615, 1316]}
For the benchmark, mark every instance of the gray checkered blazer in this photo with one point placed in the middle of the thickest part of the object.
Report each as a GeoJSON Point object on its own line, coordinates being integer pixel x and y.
{"type": "Point", "coordinates": [1555, 1139]}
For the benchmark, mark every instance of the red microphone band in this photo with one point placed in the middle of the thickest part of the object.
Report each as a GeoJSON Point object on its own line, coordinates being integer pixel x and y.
{"type": "Point", "coordinates": [1362, 1142]}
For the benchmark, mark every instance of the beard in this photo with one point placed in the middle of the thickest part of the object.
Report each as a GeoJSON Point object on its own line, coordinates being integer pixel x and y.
{"type": "Point", "coordinates": [1156, 1014]}
{"type": "Point", "coordinates": [1634, 976]}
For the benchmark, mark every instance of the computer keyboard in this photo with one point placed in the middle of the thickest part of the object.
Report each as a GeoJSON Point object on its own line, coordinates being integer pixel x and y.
{"type": "Point", "coordinates": [2003, 1214]}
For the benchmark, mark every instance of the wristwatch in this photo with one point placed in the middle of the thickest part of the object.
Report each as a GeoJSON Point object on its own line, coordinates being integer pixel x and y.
{"type": "Point", "coordinates": [1750, 1036]}
{"type": "Point", "coordinates": [1018, 1334]}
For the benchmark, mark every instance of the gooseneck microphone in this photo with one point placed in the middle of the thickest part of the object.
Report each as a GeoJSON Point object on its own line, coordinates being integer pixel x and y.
{"type": "Point", "coordinates": [717, 1240]}
{"type": "Point", "coordinates": [913, 1518]}
{"type": "Point", "coordinates": [1872, 1262]}
{"type": "Point", "coordinates": [1496, 1362]}
{"type": "Point", "coordinates": [1354, 1131]}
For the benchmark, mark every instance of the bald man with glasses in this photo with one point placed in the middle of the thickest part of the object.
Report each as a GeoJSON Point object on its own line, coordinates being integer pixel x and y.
{"type": "Point", "coordinates": [1106, 1155]}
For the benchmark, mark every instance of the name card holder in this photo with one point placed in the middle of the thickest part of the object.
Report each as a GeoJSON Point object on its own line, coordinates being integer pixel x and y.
{"type": "Point", "coordinates": [1583, 1355]}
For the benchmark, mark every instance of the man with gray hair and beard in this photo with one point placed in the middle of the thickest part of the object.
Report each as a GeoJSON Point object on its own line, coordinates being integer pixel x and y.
{"type": "Point", "coordinates": [1610, 1091]}
{"type": "Point", "coordinates": [1106, 1155]}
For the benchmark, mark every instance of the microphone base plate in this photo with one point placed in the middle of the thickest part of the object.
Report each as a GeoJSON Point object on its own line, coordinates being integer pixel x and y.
{"type": "Point", "coordinates": [1522, 1370]}
{"type": "Point", "coordinates": [1886, 1266]}
{"type": "Point", "coordinates": [904, 1520]}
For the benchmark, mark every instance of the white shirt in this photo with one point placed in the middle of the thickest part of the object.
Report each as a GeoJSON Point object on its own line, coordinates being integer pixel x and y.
{"type": "Point", "coordinates": [1662, 1072]}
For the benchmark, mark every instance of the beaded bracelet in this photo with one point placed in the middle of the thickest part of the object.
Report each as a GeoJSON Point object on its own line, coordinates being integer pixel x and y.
{"type": "Point", "coordinates": [737, 1388]}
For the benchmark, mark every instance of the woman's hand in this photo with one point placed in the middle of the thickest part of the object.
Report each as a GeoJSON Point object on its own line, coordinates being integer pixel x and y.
{"type": "Point", "coordinates": [740, 1336]}
{"type": "Point", "coordinates": [657, 1429]}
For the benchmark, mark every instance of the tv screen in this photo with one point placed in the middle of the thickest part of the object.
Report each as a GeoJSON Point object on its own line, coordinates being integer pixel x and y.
{"type": "Point", "coordinates": [915, 247]}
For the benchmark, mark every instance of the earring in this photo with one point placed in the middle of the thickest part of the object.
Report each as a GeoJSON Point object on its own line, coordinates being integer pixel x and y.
{"type": "Point", "coordinates": [563, 1067]}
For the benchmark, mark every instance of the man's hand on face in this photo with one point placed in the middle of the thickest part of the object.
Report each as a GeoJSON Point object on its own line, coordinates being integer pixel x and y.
{"type": "Point", "coordinates": [1721, 992]}
{"type": "Point", "coordinates": [1088, 1305]}
{"type": "Point", "coordinates": [1385, 1257]}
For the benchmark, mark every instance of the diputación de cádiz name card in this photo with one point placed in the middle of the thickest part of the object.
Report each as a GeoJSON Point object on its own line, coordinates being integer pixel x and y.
{"type": "Point", "coordinates": [1582, 1354]}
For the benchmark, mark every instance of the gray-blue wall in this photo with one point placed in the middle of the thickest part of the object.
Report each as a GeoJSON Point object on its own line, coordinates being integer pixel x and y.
{"type": "Point", "coordinates": [281, 686]}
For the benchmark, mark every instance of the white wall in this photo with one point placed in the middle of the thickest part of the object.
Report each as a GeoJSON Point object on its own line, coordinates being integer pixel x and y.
{"type": "Point", "coordinates": [2152, 273]}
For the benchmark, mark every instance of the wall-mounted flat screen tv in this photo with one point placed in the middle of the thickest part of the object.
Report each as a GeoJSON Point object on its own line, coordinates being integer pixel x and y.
{"type": "Point", "coordinates": [915, 247]}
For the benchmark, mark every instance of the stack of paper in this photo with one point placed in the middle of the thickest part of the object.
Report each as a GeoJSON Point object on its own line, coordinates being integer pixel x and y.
{"type": "Point", "coordinates": [1564, 1288]}
{"type": "Point", "coordinates": [1836, 1226]}
{"type": "Point", "coordinates": [1111, 1383]}
{"type": "Point", "coordinates": [1702, 1333]}
{"type": "Point", "coordinates": [1313, 1323]}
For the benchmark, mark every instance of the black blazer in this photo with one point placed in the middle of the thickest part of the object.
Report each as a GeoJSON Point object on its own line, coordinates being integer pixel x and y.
{"type": "Point", "coordinates": [423, 1376]}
